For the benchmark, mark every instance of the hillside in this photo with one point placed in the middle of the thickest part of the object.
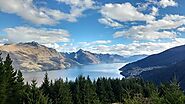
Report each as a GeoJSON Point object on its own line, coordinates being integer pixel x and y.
{"type": "Point", "coordinates": [83, 57]}
{"type": "Point", "coordinates": [164, 75]}
{"type": "Point", "coordinates": [33, 56]}
{"type": "Point", "coordinates": [161, 60]}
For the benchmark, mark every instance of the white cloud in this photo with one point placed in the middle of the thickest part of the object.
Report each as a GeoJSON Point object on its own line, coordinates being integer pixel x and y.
{"type": "Point", "coordinates": [109, 22]}
{"type": "Point", "coordinates": [42, 15]}
{"type": "Point", "coordinates": [94, 43]}
{"type": "Point", "coordinates": [154, 11]}
{"type": "Point", "coordinates": [124, 12]}
{"type": "Point", "coordinates": [166, 3]}
{"type": "Point", "coordinates": [71, 47]}
{"type": "Point", "coordinates": [138, 34]}
{"type": "Point", "coordinates": [154, 29]}
{"type": "Point", "coordinates": [26, 10]}
{"type": "Point", "coordinates": [58, 15]}
{"type": "Point", "coordinates": [77, 7]}
{"type": "Point", "coordinates": [41, 35]}
{"type": "Point", "coordinates": [135, 48]}
{"type": "Point", "coordinates": [182, 29]}
{"type": "Point", "coordinates": [78, 3]}
{"type": "Point", "coordinates": [145, 48]}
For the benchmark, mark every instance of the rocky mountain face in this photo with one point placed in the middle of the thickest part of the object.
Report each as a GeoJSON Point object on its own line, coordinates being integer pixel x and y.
{"type": "Point", "coordinates": [86, 57]}
{"type": "Point", "coordinates": [162, 60]}
{"type": "Point", "coordinates": [33, 56]}
{"type": "Point", "coordinates": [83, 57]}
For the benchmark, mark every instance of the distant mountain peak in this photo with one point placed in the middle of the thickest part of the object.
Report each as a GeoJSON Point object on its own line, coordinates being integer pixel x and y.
{"type": "Point", "coordinates": [80, 51]}
{"type": "Point", "coordinates": [33, 43]}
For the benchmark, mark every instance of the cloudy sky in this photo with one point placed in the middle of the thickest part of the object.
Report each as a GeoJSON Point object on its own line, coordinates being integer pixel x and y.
{"type": "Point", "coordinates": [125, 27]}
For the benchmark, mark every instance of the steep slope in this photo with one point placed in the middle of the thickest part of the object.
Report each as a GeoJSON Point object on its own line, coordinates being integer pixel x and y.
{"type": "Point", "coordinates": [86, 57]}
{"type": "Point", "coordinates": [83, 57]}
{"type": "Point", "coordinates": [161, 60]}
{"type": "Point", "coordinates": [33, 56]}
{"type": "Point", "coordinates": [167, 74]}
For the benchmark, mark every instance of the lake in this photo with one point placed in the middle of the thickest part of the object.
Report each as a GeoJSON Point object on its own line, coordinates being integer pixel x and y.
{"type": "Point", "coordinates": [94, 71]}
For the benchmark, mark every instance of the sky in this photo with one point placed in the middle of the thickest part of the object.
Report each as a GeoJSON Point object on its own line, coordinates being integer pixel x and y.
{"type": "Point", "coordinates": [125, 27]}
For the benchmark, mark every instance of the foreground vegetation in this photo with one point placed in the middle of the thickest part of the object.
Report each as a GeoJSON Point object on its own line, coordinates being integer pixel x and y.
{"type": "Point", "coordinates": [83, 90]}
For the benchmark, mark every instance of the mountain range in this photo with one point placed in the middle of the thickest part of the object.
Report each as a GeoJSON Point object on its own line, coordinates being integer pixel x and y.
{"type": "Point", "coordinates": [86, 57]}
{"type": "Point", "coordinates": [34, 56]}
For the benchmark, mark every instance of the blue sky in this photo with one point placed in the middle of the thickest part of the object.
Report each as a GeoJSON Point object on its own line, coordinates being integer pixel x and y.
{"type": "Point", "coordinates": [125, 27]}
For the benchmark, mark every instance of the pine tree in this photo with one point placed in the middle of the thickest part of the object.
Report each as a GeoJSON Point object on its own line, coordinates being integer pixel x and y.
{"type": "Point", "coordinates": [45, 87]}
{"type": "Point", "coordinates": [92, 97]}
{"type": "Point", "coordinates": [3, 83]}
{"type": "Point", "coordinates": [172, 93]}
{"type": "Point", "coordinates": [65, 94]}
{"type": "Point", "coordinates": [36, 96]}
{"type": "Point", "coordinates": [10, 81]}
{"type": "Point", "coordinates": [76, 92]}
{"type": "Point", "coordinates": [109, 90]}
{"type": "Point", "coordinates": [101, 92]}
{"type": "Point", "coordinates": [20, 88]}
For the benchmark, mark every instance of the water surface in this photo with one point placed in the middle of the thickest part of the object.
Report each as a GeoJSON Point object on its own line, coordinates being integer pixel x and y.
{"type": "Point", "coordinates": [93, 71]}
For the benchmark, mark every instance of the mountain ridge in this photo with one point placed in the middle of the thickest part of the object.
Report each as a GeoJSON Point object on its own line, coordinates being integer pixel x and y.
{"type": "Point", "coordinates": [157, 61]}
{"type": "Point", "coordinates": [85, 57]}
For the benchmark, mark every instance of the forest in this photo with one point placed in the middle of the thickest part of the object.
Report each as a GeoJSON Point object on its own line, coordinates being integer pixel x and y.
{"type": "Point", "coordinates": [83, 90]}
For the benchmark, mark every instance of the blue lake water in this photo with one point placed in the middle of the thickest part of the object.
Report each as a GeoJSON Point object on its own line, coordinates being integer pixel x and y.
{"type": "Point", "coordinates": [93, 71]}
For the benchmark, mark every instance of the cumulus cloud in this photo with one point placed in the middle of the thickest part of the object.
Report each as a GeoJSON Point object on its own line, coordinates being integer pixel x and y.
{"type": "Point", "coordinates": [41, 35]}
{"type": "Point", "coordinates": [40, 15]}
{"type": "Point", "coordinates": [154, 11]}
{"type": "Point", "coordinates": [166, 3]}
{"type": "Point", "coordinates": [26, 10]}
{"type": "Point", "coordinates": [154, 30]}
{"type": "Point", "coordinates": [182, 29]}
{"type": "Point", "coordinates": [78, 3]}
{"type": "Point", "coordinates": [109, 22]}
{"type": "Point", "coordinates": [95, 42]}
{"type": "Point", "coordinates": [77, 7]}
{"type": "Point", "coordinates": [73, 47]}
{"type": "Point", "coordinates": [148, 48]}
{"type": "Point", "coordinates": [124, 12]}
{"type": "Point", "coordinates": [135, 48]}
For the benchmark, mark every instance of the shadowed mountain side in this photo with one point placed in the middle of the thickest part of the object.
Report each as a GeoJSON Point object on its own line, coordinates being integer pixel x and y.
{"type": "Point", "coordinates": [161, 60]}
{"type": "Point", "coordinates": [164, 75]}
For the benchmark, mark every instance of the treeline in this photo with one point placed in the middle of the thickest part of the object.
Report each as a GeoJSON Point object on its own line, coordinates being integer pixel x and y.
{"type": "Point", "coordinates": [83, 90]}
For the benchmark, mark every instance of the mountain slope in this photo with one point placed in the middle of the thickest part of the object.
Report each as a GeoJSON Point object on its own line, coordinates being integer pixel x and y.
{"type": "Point", "coordinates": [167, 74]}
{"type": "Point", "coordinates": [83, 57]}
{"type": "Point", "coordinates": [86, 57]}
{"type": "Point", "coordinates": [33, 56]}
{"type": "Point", "coordinates": [161, 60]}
